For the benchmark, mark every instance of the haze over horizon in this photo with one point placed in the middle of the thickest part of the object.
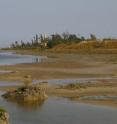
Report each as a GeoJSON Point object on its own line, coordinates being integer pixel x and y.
{"type": "Point", "coordinates": [22, 19]}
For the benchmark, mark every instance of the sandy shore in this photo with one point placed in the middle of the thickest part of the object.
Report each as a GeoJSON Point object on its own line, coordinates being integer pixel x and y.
{"type": "Point", "coordinates": [64, 66]}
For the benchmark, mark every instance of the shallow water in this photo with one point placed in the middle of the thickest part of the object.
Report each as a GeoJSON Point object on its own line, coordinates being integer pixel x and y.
{"type": "Point", "coordinates": [98, 98]}
{"type": "Point", "coordinates": [10, 58]}
{"type": "Point", "coordinates": [7, 83]}
{"type": "Point", "coordinates": [57, 81]}
{"type": "Point", "coordinates": [60, 111]}
{"type": "Point", "coordinates": [4, 71]}
{"type": "Point", "coordinates": [75, 80]}
{"type": "Point", "coordinates": [54, 110]}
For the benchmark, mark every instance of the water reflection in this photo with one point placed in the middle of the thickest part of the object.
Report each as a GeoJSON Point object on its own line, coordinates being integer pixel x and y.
{"type": "Point", "coordinates": [74, 80]}
{"type": "Point", "coordinates": [5, 71]}
{"type": "Point", "coordinates": [9, 58]}
{"type": "Point", "coordinates": [60, 111]}
{"type": "Point", "coordinates": [98, 98]}
{"type": "Point", "coordinates": [27, 105]}
{"type": "Point", "coordinates": [8, 83]}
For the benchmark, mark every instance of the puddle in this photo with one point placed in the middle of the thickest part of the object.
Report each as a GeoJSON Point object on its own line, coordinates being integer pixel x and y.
{"type": "Point", "coordinates": [78, 80]}
{"type": "Point", "coordinates": [7, 83]}
{"type": "Point", "coordinates": [98, 98]}
{"type": "Point", "coordinates": [4, 72]}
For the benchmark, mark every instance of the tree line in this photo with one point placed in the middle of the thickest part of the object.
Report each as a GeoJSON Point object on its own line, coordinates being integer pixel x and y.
{"type": "Point", "coordinates": [43, 41]}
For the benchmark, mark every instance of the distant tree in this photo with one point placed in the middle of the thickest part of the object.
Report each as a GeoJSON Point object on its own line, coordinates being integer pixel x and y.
{"type": "Point", "coordinates": [28, 44]}
{"type": "Point", "coordinates": [22, 44]}
{"type": "Point", "coordinates": [65, 35]}
{"type": "Point", "coordinates": [36, 38]}
{"type": "Point", "coordinates": [82, 38]}
{"type": "Point", "coordinates": [52, 43]}
{"type": "Point", "coordinates": [32, 43]}
{"type": "Point", "coordinates": [72, 37]}
{"type": "Point", "coordinates": [16, 44]}
{"type": "Point", "coordinates": [56, 37]}
{"type": "Point", "coordinates": [93, 37]}
{"type": "Point", "coordinates": [41, 38]}
{"type": "Point", "coordinates": [12, 45]}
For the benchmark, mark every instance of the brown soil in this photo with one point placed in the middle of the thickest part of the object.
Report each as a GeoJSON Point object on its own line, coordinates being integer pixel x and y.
{"type": "Point", "coordinates": [63, 66]}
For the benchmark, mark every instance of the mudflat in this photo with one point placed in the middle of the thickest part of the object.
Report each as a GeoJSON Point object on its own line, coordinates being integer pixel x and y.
{"type": "Point", "coordinates": [70, 66]}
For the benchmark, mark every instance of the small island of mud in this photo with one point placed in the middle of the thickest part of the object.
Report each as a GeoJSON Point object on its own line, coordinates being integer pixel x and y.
{"type": "Point", "coordinates": [4, 117]}
{"type": "Point", "coordinates": [25, 94]}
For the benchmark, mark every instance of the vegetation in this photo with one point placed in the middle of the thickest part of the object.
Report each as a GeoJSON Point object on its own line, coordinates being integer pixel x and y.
{"type": "Point", "coordinates": [65, 41]}
{"type": "Point", "coordinates": [2, 109]}
{"type": "Point", "coordinates": [26, 94]}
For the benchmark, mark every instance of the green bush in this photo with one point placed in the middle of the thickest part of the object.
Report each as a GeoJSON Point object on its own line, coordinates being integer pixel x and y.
{"type": "Point", "coordinates": [2, 109]}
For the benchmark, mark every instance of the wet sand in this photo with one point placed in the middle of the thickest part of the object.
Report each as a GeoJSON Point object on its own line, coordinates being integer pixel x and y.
{"type": "Point", "coordinates": [63, 66]}
{"type": "Point", "coordinates": [71, 66]}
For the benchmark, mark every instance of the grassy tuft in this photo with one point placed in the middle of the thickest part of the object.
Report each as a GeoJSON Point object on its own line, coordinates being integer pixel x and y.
{"type": "Point", "coordinates": [2, 109]}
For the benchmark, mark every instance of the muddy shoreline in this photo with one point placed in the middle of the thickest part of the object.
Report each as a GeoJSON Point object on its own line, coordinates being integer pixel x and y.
{"type": "Point", "coordinates": [63, 66]}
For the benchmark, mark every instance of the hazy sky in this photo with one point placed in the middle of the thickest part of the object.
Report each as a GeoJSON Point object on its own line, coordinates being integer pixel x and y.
{"type": "Point", "coordinates": [21, 19]}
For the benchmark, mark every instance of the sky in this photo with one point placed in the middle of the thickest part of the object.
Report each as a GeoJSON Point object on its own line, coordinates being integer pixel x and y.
{"type": "Point", "coordinates": [22, 19]}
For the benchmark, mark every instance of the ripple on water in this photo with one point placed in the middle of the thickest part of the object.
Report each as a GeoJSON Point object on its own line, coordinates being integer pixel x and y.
{"type": "Point", "coordinates": [61, 111]}
{"type": "Point", "coordinates": [98, 98]}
